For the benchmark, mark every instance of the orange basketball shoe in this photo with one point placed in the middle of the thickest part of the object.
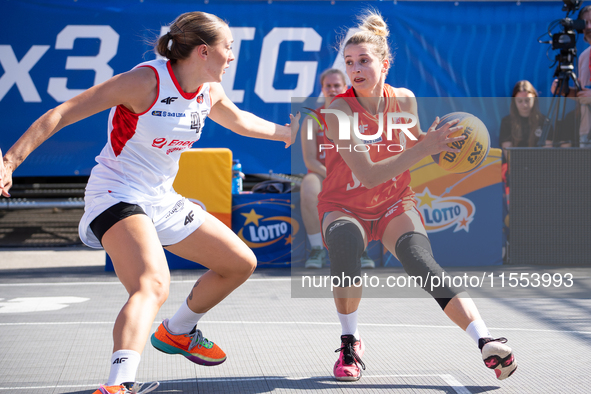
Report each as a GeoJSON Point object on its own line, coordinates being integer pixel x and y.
{"type": "Point", "coordinates": [127, 388]}
{"type": "Point", "coordinates": [191, 345]}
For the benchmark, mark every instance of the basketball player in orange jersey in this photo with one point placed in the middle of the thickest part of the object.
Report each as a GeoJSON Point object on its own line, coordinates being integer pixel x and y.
{"type": "Point", "coordinates": [332, 82]}
{"type": "Point", "coordinates": [131, 209]}
{"type": "Point", "coordinates": [366, 196]}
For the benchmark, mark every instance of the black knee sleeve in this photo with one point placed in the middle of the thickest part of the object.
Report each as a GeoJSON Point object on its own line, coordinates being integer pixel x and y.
{"type": "Point", "coordinates": [345, 246]}
{"type": "Point", "coordinates": [414, 252]}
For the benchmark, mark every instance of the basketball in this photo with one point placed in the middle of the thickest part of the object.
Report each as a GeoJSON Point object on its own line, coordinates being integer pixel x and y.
{"type": "Point", "coordinates": [474, 148]}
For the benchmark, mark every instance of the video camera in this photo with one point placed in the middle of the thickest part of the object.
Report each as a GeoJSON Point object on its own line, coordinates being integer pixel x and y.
{"type": "Point", "coordinates": [566, 42]}
{"type": "Point", "coordinates": [566, 39]}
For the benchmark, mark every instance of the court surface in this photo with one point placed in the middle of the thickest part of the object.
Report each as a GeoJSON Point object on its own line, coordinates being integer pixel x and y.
{"type": "Point", "coordinates": [57, 308]}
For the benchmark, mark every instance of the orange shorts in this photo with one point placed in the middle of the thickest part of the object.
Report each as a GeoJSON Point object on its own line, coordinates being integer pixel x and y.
{"type": "Point", "coordinates": [374, 228]}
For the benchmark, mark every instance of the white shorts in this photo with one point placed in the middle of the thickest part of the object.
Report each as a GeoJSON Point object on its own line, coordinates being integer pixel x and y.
{"type": "Point", "coordinates": [174, 216]}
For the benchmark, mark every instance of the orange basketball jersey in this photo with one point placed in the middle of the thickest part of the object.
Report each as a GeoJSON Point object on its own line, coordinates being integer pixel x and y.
{"type": "Point", "coordinates": [342, 188]}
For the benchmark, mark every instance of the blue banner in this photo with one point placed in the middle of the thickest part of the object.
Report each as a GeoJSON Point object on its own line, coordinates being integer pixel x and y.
{"type": "Point", "coordinates": [52, 50]}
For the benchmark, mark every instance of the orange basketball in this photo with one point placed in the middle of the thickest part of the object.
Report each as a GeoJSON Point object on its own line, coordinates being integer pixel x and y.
{"type": "Point", "coordinates": [474, 148]}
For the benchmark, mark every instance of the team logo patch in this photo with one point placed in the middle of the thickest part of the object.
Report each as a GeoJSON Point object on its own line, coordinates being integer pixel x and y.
{"type": "Point", "coordinates": [164, 114]}
{"type": "Point", "coordinates": [442, 213]}
{"type": "Point", "coordinates": [200, 98]}
{"type": "Point", "coordinates": [159, 142]}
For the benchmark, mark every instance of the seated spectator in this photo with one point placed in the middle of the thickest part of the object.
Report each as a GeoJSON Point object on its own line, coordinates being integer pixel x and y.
{"type": "Point", "coordinates": [523, 126]}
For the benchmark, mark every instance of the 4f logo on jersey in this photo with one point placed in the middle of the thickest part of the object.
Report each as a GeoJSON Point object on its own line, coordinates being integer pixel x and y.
{"type": "Point", "coordinates": [168, 100]}
{"type": "Point", "coordinates": [189, 218]}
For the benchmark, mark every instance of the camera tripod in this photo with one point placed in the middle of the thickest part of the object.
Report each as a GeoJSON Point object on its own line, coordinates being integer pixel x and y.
{"type": "Point", "coordinates": [564, 74]}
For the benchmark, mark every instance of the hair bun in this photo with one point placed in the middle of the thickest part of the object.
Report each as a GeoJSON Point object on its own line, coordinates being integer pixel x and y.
{"type": "Point", "coordinates": [374, 23]}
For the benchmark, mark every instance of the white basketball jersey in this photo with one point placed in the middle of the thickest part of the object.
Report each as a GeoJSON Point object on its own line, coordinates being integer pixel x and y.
{"type": "Point", "coordinates": [143, 150]}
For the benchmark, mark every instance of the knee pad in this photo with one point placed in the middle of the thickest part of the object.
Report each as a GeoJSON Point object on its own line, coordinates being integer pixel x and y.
{"type": "Point", "coordinates": [414, 252]}
{"type": "Point", "coordinates": [345, 247]}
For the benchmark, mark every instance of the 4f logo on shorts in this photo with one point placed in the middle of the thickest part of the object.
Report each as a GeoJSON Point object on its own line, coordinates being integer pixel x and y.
{"type": "Point", "coordinates": [189, 218]}
{"type": "Point", "coordinates": [196, 122]}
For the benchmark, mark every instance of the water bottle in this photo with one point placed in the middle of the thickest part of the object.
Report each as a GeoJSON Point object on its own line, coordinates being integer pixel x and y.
{"type": "Point", "coordinates": [236, 177]}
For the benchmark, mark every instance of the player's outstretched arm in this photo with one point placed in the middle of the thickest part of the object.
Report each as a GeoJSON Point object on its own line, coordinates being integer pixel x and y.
{"type": "Point", "coordinates": [227, 114]}
{"type": "Point", "coordinates": [135, 89]}
{"type": "Point", "coordinates": [371, 173]}
{"type": "Point", "coordinates": [5, 178]}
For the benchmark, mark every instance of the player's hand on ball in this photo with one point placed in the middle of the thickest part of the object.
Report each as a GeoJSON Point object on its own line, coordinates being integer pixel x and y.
{"type": "Point", "coordinates": [437, 138]}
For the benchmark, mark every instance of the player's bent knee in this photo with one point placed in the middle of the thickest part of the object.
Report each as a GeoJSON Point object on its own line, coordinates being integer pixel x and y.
{"type": "Point", "coordinates": [246, 264]}
{"type": "Point", "coordinates": [152, 288]}
{"type": "Point", "coordinates": [414, 252]}
{"type": "Point", "coordinates": [345, 247]}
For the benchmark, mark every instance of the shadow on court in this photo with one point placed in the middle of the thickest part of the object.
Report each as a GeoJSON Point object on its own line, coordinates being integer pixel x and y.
{"type": "Point", "coordinates": [277, 383]}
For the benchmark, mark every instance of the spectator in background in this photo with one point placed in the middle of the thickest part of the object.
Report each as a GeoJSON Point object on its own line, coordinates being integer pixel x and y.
{"type": "Point", "coordinates": [332, 82]}
{"type": "Point", "coordinates": [523, 126]}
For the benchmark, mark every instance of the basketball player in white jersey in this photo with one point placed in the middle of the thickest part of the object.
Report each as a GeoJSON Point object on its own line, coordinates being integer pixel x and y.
{"type": "Point", "coordinates": [157, 111]}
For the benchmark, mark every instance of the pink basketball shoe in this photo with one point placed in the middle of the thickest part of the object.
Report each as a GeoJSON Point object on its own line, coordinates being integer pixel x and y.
{"type": "Point", "coordinates": [347, 366]}
{"type": "Point", "coordinates": [498, 356]}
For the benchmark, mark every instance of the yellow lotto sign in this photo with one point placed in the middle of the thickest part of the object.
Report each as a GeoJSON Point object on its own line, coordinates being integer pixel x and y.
{"type": "Point", "coordinates": [446, 199]}
{"type": "Point", "coordinates": [205, 178]}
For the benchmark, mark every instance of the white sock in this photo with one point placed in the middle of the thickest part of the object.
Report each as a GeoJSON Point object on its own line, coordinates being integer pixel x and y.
{"type": "Point", "coordinates": [124, 364]}
{"type": "Point", "coordinates": [477, 329]}
{"type": "Point", "coordinates": [183, 320]}
{"type": "Point", "coordinates": [315, 240]}
{"type": "Point", "coordinates": [349, 324]}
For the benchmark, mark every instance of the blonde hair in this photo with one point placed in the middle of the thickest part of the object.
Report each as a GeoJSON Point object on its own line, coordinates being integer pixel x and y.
{"type": "Point", "coordinates": [332, 71]}
{"type": "Point", "coordinates": [188, 31]}
{"type": "Point", "coordinates": [374, 31]}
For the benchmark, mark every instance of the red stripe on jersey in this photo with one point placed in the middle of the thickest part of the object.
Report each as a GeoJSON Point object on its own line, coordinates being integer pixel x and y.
{"type": "Point", "coordinates": [124, 126]}
{"type": "Point", "coordinates": [125, 121]}
{"type": "Point", "coordinates": [188, 96]}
